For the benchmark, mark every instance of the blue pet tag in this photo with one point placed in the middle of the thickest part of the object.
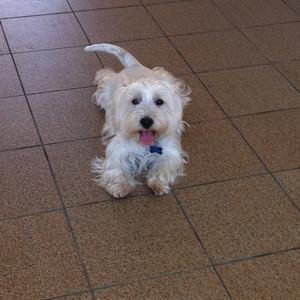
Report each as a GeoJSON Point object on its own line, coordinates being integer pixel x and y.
{"type": "Point", "coordinates": [156, 149]}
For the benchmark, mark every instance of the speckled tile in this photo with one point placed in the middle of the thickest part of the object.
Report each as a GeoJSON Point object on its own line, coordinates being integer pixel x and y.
{"type": "Point", "coordinates": [275, 137]}
{"type": "Point", "coordinates": [67, 115]}
{"type": "Point", "coordinates": [119, 24]}
{"type": "Point", "coordinates": [279, 42]}
{"type": "Point", "coordinates": [202, 284]}
{"type": "Point", "coordinates": [18, 8]}
{"type": "Point", "coordinates": [291, 182]}
{"type": "Point", "coordinates": [257, 12]}
{"type": "Point", "coordinates": [151, 53]}
{"type": "Point", "coordinates": [26, 34]}
{"type": "Point", "coordinates": [202, 107]}
{"type": "Point", "coordinates": [134, 238]}
{"type": "Point", "coordinates": [251, 90]}
{"type": "Point", "coordinates": [242, 218]}
{"type": "Point", "coordinates": [291, 70]}
{"type": "Point", "coordinates": [9, 83]}
{"type": "Point", "coordinates": [3, 44]}
{"type": "Point", "coordinates": [216, 152]}
{"type": "Point", "coordinates": [82, 296]}
{"type": "Point", "coordinates": [273, 277]}
{"type": "Point", "coordinates": [38, 259]}
{"type": "Point", "coordinates": [57, 69]}
{"type": "Point", "coordinates": [94, 4]}
{"type": "Point", "coordinates": [189, 17]}
{"type": "Point", "coordinates": [26, 183]}
{"type": "Point", "coordinates": [217, 50]}
{"type": "Point", "coordinates": [17, 127]}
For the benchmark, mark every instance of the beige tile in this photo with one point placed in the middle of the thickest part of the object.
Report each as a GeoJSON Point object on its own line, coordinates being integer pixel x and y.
{"type": "Point", "coordinates": [275, 137]}
{"type": "Point", "coordinates": [251, 90]}
{"type": "Point", "coordinates": [202, 284]}
{"type": "Point", "coordinates": [38, 259]}
{"type": "Point", "coordinates": [18, 8]}
{"type": "Point", "coordinates": [216, 152]}
{"type": "Point", "coordinates": [54, 70]}
{"type": "Point", "coordinates": [257, 12]}
{"type": "Point", "coordinates": [291, 183]}
{"type": "Point", "coordinates": [132, 239]}
{"type": "Point", "coordinates": [217, 50]}
{"type": "Point", "coordinates": [26, 183]}
{"type": "Point", "coordinates": [17, 127]}
{"type": "Point", "coordinates": [151, 53]}
{"type": "Point", "coordinates": [82, 296]}
{"type": "Point", "coordinates": [272, 277]}
{"type": "Point", "coordinates": [277, 42]}
{"type": "Point", "coordinates": [26, 34]}
{"type": "Point", "coordinates": [189, 17]}
{"type": "Point", "coordinates": [67, 115]}
{"type": "Point", "coordinates": [242, 218]}
{"type": "Point", "coordinates": [119, 24]}
{"type": "Point", "coordinates": [9, 83]}
{"type": "Point", "coordinates": [93, 4]}
{"type": "Point", "coordinates": [202, 107]}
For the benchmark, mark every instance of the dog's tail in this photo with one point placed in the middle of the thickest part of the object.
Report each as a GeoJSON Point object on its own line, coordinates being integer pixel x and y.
{"type": "Point", "coordinates": [126, 59]}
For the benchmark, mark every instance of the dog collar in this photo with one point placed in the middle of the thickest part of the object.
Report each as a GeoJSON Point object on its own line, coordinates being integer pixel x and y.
{"type": "Point", "coordinates": [156, 149]}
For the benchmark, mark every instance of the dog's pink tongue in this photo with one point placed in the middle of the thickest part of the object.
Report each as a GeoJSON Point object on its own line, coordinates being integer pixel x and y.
{"type": "Point", "coordinates": [147, 138]}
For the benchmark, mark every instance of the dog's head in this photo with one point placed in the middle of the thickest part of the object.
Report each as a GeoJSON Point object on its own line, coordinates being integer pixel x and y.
{"type": "Point", "coordinates": [148, 109]}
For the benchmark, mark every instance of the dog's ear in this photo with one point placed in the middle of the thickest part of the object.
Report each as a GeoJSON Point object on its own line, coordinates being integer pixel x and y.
{"type": "Point", "coordinates": [183, 90]}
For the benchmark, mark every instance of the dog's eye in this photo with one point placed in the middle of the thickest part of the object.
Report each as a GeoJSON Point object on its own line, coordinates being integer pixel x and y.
{"type": "Point", "coordinates": [159, 102]}
{"type": "Point", "coordinates": [135, 101]}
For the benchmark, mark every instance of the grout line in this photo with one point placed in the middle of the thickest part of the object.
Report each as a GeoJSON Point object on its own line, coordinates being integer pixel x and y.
{"type": "Point", "coordinates": [247, 258]}
{"type": "Point", "coordinates": [237, 128]}
{"type": "Point", "coordinates": [290, 7]}
{"type": "Point", "coordinates": [68, 222]}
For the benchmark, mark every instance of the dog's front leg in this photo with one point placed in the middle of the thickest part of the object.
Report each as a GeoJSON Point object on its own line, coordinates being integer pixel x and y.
{"type": "Point", "coordinates": [164, 173]}
{"type": "Point", "coordinates": [111, 176]}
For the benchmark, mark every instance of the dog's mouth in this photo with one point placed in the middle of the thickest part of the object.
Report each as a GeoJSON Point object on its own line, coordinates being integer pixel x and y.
{"type": "Point", "coordinates": [147, 138]}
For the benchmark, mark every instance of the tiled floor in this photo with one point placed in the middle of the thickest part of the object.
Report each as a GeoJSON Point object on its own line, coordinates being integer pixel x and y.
{"type": "Point", "coordinates": [230, 229]}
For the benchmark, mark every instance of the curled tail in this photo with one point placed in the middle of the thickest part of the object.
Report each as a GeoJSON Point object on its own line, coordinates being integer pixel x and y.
{"type": "Point", "coordinates": [126, 59]}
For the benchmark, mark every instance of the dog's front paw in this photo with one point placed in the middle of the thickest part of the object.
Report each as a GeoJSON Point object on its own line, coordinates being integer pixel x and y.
{"type": "Point", "coordinates": [120, 189]}
{"type": "Point", "coordinates": [158, 187]}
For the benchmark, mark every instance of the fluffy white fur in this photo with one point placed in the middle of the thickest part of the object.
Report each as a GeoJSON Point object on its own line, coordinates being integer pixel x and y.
{"type": "Point", "coordinates": [126, 158]}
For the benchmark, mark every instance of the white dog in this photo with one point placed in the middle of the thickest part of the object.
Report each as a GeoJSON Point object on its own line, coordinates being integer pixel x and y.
{"type": "Point", "coordinates": [143, 125]}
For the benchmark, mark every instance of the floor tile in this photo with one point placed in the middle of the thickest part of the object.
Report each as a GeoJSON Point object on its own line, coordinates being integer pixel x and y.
{"type": "Point", "coordinates": [26, 34]}
{"type": "Point", "coordinates": [202, 107]}
{"type": "Point", "coordinates": [291, 70]}
{"type": "Point", "coordinates": [217, 153]}
{"type": "Point", "coordinates": [242, 218]}
{"type": "Point", "coordinates": [119, 24]}
{"type": "Point", "coordinates": [290, 180]}
{"type": "Point", "coordinates": [135, 238]}
{"type": "Point", "coordinates": [67, 115]}
{"type": "Point", "coordinates": [158, 1]}
{"type": "Point", "coordinates": [189, 17]}
{"type": "Point", "coordinates": [37, 258]}
{"type": "Point", "coordinates": [17, 127]}
{"type": "Point", "coordinates": [17, 8]}
{"type": "Point", "coordinates": [83, 296]}
{"type": "Point", "coordinates": [3, 44]}
{"type": "Point", "coordinates": [217, 50]}
{"type": "Point", "coordinates": [71, 163]}
{"type": "Point", "coordinates": [9, 83]}
{"type": "Point", "coordinates": [251, 90]}
{"type": "Point", "coordinates": [272, 277]}
{"type": "Point", "coordinates": [257, 12]}
{"type": "Point", "coordinates": [275, 137]}
{"type": "Point", "coordinates": [202, 284]}
{"type": "Point", "coordinates": [151, 53]}
{"type": "Point", "coordinates": [56, 69]}
{"type": "Point", "coordinates": [293, 4]}
{"type": "Point", "coordinates": [92, 4]}
{"type": "Point", "coordinates": [277, 42]}
{"type": "Point", "coordinates": [26, 183]}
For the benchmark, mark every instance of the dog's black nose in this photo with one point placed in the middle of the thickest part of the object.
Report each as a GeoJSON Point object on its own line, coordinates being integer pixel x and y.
{"type": "Point", "coordinates": [146, 122]}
